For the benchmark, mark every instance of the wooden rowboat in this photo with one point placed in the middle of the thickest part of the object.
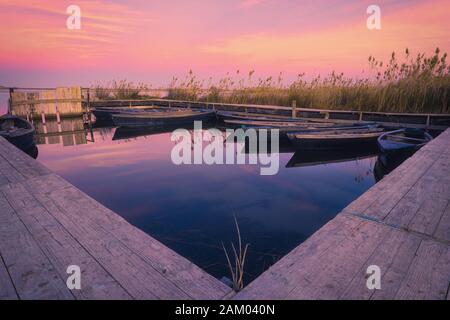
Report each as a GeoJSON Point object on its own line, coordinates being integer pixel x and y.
{"type": "Point", "coordinates": [396, 146]}
{"type": "Point", "coordinates": [334, 139]}
{"type": "Point", "coordinates": [305, 158]}
{"type": "Point", "coordinates": [105, 113]}
{"type": "Point", "coordinates": [230, 117]}
{"type": "Point", "coordinates": [165, 118]}
{"type": "Point", "coordinates": [402, 140]}
{"type": "Point", "coordinates": [17, 131]}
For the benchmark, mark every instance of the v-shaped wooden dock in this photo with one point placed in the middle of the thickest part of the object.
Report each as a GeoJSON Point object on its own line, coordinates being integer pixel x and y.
{"type": "Point", "coordinates": [402, 225]}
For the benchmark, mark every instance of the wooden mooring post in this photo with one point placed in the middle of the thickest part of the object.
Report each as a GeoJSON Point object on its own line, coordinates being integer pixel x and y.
{"type": "Point", "coordinates": [11, 91]}
{"type": "Point", "coordinates": [294, 108]}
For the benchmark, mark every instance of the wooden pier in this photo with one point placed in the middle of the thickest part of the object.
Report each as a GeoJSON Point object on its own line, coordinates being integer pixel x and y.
{"type": "Point", "coordinates": [46, 224]}
{"type": "Point", "coordinates": [401, 224]}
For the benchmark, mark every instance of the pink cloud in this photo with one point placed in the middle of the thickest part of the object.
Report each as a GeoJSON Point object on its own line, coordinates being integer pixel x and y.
{"type": "Point", "coordinates": [152, 41]}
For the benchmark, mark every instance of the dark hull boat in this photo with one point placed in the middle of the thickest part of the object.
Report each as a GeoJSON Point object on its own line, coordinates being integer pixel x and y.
{"type": "Point", "coordinates": [166, 118]}
{"type": "Point", "coordinates": [334, 139]}
{"type": "Point", "coordinates": [253, 119]}
{"type": "Point", "coordinates": [17, 131]}
{"type": "Point", "coordinates": [402, 140]}
{"type": "Point", "coordinates": [231, 116]}
{"type": "Point", "coordinates": [292, 123]}
{"type": "Point", "coordinates": [106, 113]}
{"type": "Point", "coordinates": [122, 133]}
{"type": "Point", "coordinates": [304, 158]}
{"type": "Point", "coordinates": [398, 145]}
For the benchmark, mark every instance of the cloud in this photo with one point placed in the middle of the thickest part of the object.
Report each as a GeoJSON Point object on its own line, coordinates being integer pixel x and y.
{"type": "Point", "coordinates": [251, 3]}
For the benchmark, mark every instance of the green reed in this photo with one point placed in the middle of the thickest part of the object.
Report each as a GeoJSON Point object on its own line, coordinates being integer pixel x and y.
{"type": "Point", "coordinates": [417, 83]}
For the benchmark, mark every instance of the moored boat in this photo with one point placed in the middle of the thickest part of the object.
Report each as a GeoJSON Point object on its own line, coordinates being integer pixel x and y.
{"type": "Point", "coordinates": [398, 145]}
{"type": "Point", "coordinates": [105, 113]}
{"type": "Point", "coordinates": [335, 139]}
{"type": "Point", "coordinates": [164, 118]}
{"type": "Point", "coordinates": [235, 118]}
{"type": "Point", "coordinates": [403, 140]}
{"type": "Point", "coordinates": [304, 158]}
{"type": "Point", "coordinates": [17, 131]}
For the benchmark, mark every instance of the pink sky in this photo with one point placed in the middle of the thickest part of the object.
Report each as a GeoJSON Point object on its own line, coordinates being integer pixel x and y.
{"type": "Point", "coordinates": [152, 41]}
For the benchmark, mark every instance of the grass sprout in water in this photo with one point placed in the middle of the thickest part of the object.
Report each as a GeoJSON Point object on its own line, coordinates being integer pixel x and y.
{"type": "Point", "coordinates": [237, 272]}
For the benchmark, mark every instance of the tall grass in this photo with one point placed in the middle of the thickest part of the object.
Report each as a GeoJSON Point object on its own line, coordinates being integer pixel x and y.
{"type": "Point", "coordinates": [417, 83]}
{"type": "Point", "coordinates": [237, 269]}
{"type": "Point", "coordinates": [119, 90]}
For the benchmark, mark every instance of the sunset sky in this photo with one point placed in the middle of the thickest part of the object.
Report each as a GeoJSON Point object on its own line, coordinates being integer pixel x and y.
{"type": "Point", "coordinates": [151, 41]}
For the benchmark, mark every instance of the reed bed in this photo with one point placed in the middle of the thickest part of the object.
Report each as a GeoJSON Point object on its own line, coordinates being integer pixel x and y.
{"type": "Point", "coordinates": [416, 84]}
{"type": "Point", "coordinates": [237, 268]}
{"type": "Point", "coordinates": [119, 90]}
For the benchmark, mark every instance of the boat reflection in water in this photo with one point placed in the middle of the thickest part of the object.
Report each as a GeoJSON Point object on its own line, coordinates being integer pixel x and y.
{"type": "Point", "coordinates": [123, 133]}
{"type": "Point", "coordinates": [32, 151]}
{"type": "Point", "coordinates": [304, 158]}
{"type": "Point", "coordinates": [386, 164]}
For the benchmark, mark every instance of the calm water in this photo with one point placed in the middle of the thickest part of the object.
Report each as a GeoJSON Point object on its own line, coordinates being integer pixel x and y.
{"type": "Point", "coordinates": [190, 208]}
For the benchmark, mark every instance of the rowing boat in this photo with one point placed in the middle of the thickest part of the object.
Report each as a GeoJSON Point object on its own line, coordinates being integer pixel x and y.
{"type": "Point", "coordinates": [236, 118]}
{"type": "Point", "coordinates": [226, 115]}
{"type": "Point", "coordinates": [402, 140]}
{"type": "Point", "coordinates": [17, 131]}
{"type": "Point", "coordinates": [306, 158]}
{"type": "Point", "coordinates": [334, 139]}
{"type": "Point", "coordinates": [163, 118]}
{"type": "Point", "coordinates": [398, 145]}
{"type": "Point", "coordinates": [105, 113]}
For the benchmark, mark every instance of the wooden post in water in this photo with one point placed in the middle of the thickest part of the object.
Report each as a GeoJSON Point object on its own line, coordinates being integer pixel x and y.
{"type": "Point", "coordinates": [294, 108]}
{"type": "Point", "coordinates": [58, 118]}
{"type": "Point", "coordinates": [10, 101]}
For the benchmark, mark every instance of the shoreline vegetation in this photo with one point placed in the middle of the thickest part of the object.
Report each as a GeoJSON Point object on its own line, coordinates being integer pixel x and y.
{"type": "Point", "coordinates": [410, 84]}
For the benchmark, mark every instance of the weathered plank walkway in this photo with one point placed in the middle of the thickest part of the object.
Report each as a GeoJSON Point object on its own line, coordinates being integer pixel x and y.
{"type": "Point", "coordinates": [46, 224]}
{"type": "Point", "coordinates": [402, 224]}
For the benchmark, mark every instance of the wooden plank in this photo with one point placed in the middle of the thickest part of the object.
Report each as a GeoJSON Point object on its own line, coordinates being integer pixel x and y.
{"type": "Point", "coordinates": [54, 192]}
{"type": "Point", "coordinates": [428, 216]}
{"type": "Point", "coordinates": [443, 228]}
{"type": "Point", "coordinates": [294, 269]}
{"type": "Point", "coordinates": [139, 279]}
{"type": "Point", "coordinates": [429, 273]}
{"type": "Point", "coordinates": [20, 161]}
{"type": "Point", "coordinates": [33, 275]}
{"type": "Point", "coordinates": [61, 248]}
{"type": "Point", "coordinates": [7, 290]}
{"type": "Point", "coordinates": [330, 275]}
{"type": "Point", "coordinates": [381, 197]}
{"type": "Point", "coordinates": [393, 256]}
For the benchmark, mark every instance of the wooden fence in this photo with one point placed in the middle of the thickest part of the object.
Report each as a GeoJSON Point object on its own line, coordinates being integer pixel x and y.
{"type": "Point", "coordinates": [50, 103]}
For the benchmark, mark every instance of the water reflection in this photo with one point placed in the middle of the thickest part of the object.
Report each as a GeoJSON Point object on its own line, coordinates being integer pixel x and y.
{"type": "Point", "coordinates": [190, 208]}
{"type": "Point", "coordinates": [66, 132]}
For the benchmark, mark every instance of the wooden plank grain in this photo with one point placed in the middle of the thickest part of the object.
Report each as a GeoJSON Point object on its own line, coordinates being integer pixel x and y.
{"type": "Point", "coordinates": [61, 248]}
{"type": "Point", "coordinates": [443, 227]}
{"type": "Point", "coordinates": [429, 274]}
{"type": "Point", "coordinates": [393, 256]}
{"type": "Point", "coordinates": [427, 218]}
{"type": "Point", "coordinates": [7, 290]}
{"type": "Point", "coordinates": [33, 275]}
{"type": "Point", "coordinates": [331, 275]}
{"type": "Point", "coordinates": [177, 269]}
{"type": "Point", "coordinates": [294, 269]}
